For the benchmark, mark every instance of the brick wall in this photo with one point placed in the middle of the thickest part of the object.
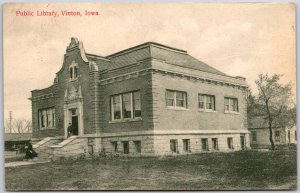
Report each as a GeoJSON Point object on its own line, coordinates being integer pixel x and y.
{"type": "Point", "coordinates": [192, 117]}
{"type": "Point", "coordinates": [62, 83]}
{"type": "Point", "coordinates": [141, 82]}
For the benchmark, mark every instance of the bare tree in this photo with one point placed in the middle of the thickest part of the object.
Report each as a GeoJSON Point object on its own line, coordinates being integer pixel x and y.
{"type": "Point", "coordinates": [275, 99]}
{"type": "Point", "coordinates": [18, 126]}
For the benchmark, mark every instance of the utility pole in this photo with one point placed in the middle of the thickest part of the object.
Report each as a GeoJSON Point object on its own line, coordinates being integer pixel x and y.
{"type": "Point", "coordinates": [10, 120]}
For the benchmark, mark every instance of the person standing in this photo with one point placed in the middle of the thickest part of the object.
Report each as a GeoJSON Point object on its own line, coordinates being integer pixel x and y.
{"type": "Point", "coordinates": [70, 130]}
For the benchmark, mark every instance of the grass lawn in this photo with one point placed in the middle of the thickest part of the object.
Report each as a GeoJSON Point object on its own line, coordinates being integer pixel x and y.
{"type": "Point", "coordinates": [207, 171]}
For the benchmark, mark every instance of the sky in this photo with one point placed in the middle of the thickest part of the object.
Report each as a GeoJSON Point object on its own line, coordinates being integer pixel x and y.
{"type": "Point", "coordinates": [238, 39]}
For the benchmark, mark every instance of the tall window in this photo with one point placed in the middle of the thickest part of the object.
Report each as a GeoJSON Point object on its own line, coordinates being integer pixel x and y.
{"type": "Point", "coordinates": [176, 99]}
{"type": "Point", "coordinates": [296, 135]}
{"type": "Point", "coordinates": [206, 102]}
{"type": "Point", "coordinates": [46, 118]}
{"type": "Point", "coordinates": [125, 106]}
{"type": "Point", "coordinates": [73, 70]}
{"type": "Point", "coordinates": [277, 135]}
{"type": "Point", "coordinates": [254, 136]}
{"type": "Point", "coordinates": [231, 104]}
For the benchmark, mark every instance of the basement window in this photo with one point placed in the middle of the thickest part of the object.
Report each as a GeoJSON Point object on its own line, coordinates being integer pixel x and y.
{"type": "Point", "coordinates": [114, 145]}
{"type": "Point", "coordinates": [254, 136]}
{"type": "Point", "coordinates": [125, 147]}
{"type": "Point", "coordinates": [204, 143]}
{"type": "Point", "coordinates": [230, 143]}
{"type": "Point", "coordinates": [174, 146]}
{"type": "Point", "coordinates": [215, 143]}
{"type": "Point", "coordinates": [277, 135]}
{"type": "Point", "coordinates": [138, 147]}
{"type": "Point", "coordinates": [186, 145]}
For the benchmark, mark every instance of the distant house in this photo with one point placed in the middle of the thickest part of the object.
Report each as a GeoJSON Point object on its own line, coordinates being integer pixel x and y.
{"type": "Point", "coordinates": [260, 133]}
{"type": "Point", "coordinates": [12, 141]}
{"type": "Point", "coordinates": [150, 99]}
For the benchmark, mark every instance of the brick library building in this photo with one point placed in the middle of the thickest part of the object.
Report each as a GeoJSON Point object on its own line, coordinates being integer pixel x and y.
{"type": "Point", "coordinates": [147, 100]}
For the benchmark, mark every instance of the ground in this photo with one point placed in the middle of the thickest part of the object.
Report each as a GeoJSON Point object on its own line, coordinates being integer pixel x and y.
{"type": "Point", "coordinates": [208, 171]}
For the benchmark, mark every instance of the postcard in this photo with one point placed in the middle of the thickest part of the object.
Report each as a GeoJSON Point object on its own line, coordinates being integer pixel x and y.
{"type": "Point", "coordinates": [149, 96]}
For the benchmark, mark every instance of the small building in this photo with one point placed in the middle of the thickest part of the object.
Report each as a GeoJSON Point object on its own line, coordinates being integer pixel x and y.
{"type": "Point", "coordinates": [259, 128]}
{"type": "Point", "coordinates": [150, 99]}
{"type": "Point", "coordinates": [16, 141]}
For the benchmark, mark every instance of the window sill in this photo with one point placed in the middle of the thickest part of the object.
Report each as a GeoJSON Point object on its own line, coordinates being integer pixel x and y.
{"type": "Point", "coordinates": [47, 128]}
{"type": "Point", "coordinates": [177, 108]}
{"type": "Point", "coordinates": [206, 111]}
{"type": "Point", "coordinates": [126, 120]}
{"type": "Point", "coordinates": [72, 80]}
{"type": "Point", "coordinates": [232, 112]}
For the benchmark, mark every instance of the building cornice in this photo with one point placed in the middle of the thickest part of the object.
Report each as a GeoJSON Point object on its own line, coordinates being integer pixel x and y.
{"type": "Point", "coordinates": [164, 72]}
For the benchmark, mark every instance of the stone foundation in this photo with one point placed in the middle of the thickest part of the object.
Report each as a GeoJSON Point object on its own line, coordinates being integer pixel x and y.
{"type": "Point", "coordinates": [159, 144]}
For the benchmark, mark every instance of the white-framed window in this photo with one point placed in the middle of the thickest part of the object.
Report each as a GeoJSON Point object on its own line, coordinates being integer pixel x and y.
{"type": "Point", "coordinates": [277, 135]}
{"type": "Point", "coordinates": [125, 106]}
{"type": "Point", "coordinates": [231, 104]}
{"type": "Point", "coordinates": [206, 102]}
{"type": "Point", "coordinates": [176, 99]}
{"type": "Point", "coordinates": [46, 118]}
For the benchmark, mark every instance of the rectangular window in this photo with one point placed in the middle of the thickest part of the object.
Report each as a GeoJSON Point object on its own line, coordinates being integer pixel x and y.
{"type": "Point", "coordinates": [137, 104]}
{"type": "Point", "coordinates": [116, 107]}
{"type": "Point", "coordinates": [173, 145]}
{"type": "Point", "coordinates": [125, 106]}
{"type": "Point", "coordinates": [231, 104]}
{"type": "Point", "coordinates": [114, 145]}
{"type": "Point", "coordinates": [176, 99]}
{"type": "Point", "coordinates": [125, 147]}
{"type": "Point", "coordinates": [277, 135]}
{"type": "Point", "coordinates": [295, 135]}
{"type": "Point", "coordinates": [206, 102]}
{"type": "Point", "coordinates": [254, 136]}
{"type": "Point", "coordinates": [138, 147]}
{"type": "Point", "coordinates": [229, 143]}
{"type": "Point", "coordinates": [46, 118]}
{"type": "Point", "coordinates": [215, 143]}
{"type": "Point", "coordinates": [186, 145]}
{"type": "Point", "coordinates": [204, 143]}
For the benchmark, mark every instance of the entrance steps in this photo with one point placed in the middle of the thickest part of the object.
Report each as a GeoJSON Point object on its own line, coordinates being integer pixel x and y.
{"type": "Point", "coordinates": [43, 147]}
{"type": "Point", "coordinates": [73, 146]}
{"type": "Point", "coordinates": [57, 147]}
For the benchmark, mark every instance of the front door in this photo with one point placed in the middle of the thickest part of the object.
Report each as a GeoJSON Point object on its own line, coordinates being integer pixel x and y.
{"type": "Point", "coordinates": [242, 142]}
{"type": "Point", "coordinates": [75, 125]}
